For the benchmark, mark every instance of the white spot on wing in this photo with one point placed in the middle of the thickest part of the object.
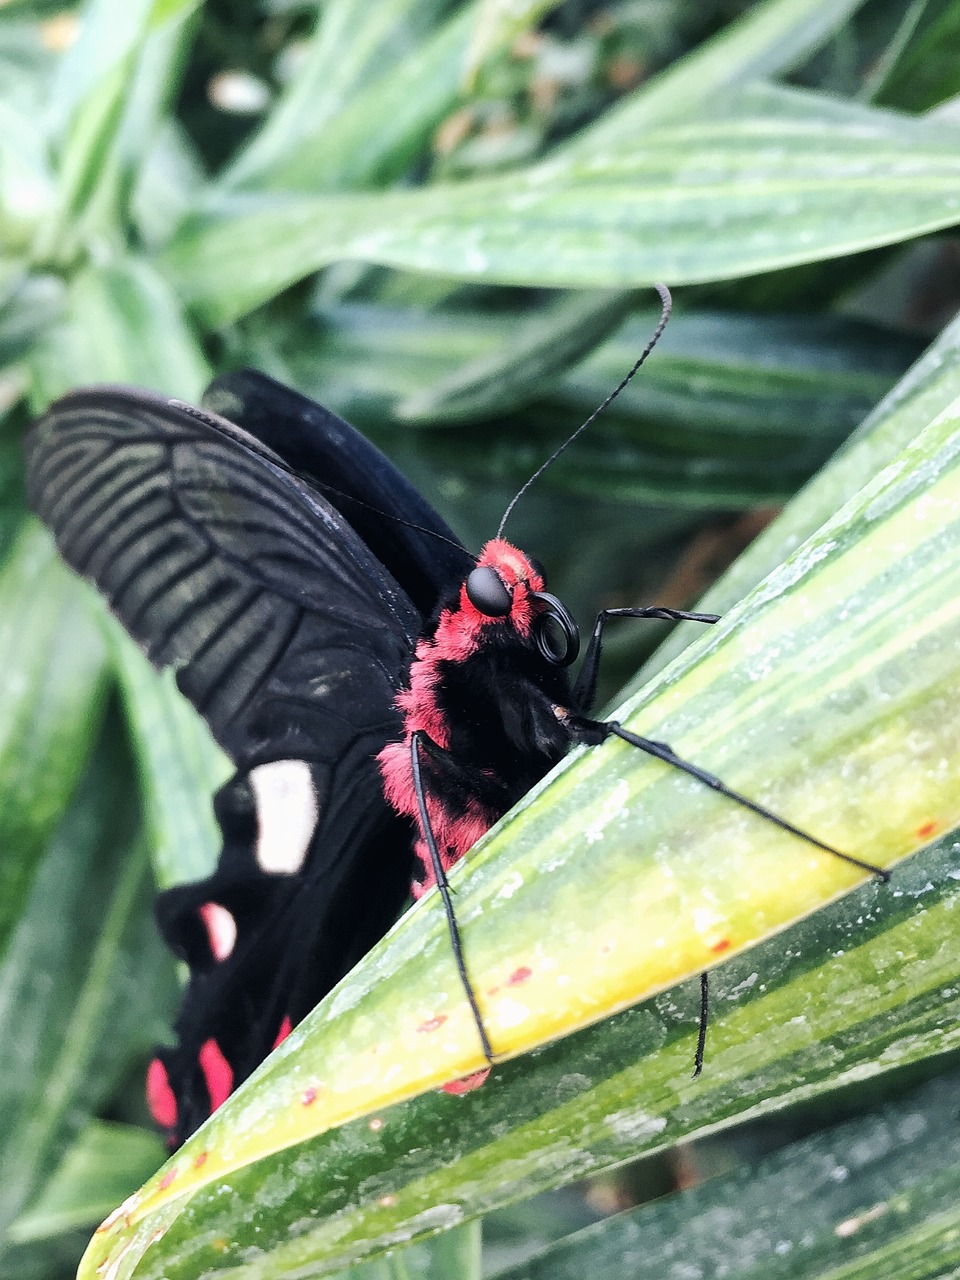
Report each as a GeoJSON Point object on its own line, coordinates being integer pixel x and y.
{"type": "Point", "coordinates": [287, 814]}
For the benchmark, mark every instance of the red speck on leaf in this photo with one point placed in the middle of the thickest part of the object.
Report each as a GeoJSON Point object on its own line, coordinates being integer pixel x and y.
{"type": "Point", "coordinates": [467, 1084]}
{"type": "Point", "coordinates": [309, 1096]}
{"type": "Point", "coordinates": [519, 976]}
{"type": "Point", "coordinates": [433, 1024]}
{"type": "Point", "coordinates": [927, 830]}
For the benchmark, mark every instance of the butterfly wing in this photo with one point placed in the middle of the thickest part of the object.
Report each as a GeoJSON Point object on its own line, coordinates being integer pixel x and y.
{"type": "Point", "coordinates": [291, 639]}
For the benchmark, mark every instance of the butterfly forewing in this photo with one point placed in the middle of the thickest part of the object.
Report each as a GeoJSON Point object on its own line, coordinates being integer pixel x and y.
{"type": "Point", "coordinates": [223, 565]}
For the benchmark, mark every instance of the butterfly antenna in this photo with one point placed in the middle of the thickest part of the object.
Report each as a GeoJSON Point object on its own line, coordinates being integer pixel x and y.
{"type": "Point", "coordinates": [667, 305]}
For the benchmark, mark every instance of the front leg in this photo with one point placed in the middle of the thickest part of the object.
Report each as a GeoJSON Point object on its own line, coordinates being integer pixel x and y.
{"type": "Point", "coordinates": [586, 686]}
{"type": "Point", "coordinates": [422, 742]}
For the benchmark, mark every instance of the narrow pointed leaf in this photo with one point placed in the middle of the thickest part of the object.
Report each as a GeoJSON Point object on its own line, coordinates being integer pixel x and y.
{"type": "Point", "coordinates": [512, 375]}
{"type": "Point", "coordinates": [873, 1199]}
{"type": "Point", "coordinates": [774, 178]}
{"type": "Point", "coordinates": [52, 689]}
{"type": "Point", "coordinates": [79, 988]}
{"type": "Point", "coordinates": [104, 1164]}
{"type": "Point", "coordinates": [929, 388]}
{"type": "Point", "coordinates": [121, 324]}
{"type": "Point", "coordinates": [366, 98]}
{"type": "Point", "coordinates": [766, 40]}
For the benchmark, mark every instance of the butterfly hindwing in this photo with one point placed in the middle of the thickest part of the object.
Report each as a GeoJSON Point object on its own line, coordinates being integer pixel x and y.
{"type": "Point", "coordinates": [391, 516]}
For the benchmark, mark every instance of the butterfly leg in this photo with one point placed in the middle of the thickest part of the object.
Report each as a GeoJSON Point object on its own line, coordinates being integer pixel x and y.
{"type": "Point", "coordinates": [597, 731]}
{"type": "Point", "coordinates": [583, 695]}
{"type": "Point", "coordinates": [603, 729]}
{"type": "Point", "coordinates": [586, 685]}
{"type": "Point", "coordinates": [419, 741]}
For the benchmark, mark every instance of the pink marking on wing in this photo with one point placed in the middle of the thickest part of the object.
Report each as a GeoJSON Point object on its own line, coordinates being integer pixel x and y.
{"type": "Point", "coordinates": [168, 1178]}
{"type": "Point", "coordinates": [217, 1072]}
{"type": "Point", "coordinates": [160, 1097]}
{"type": "Point", "coordinates": [221, 929]}
{"type": "Point", "coordinates": [309, 1096]}
{"type": "Point", "coordinates": [519, 976]}
{"type": "Point", "coordinates": [927, 830]}
{"type": "Point", "coordinates": [286, 1026]}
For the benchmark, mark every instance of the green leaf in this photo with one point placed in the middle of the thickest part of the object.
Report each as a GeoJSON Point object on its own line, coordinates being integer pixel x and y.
{"type": "Point", "coordinates": [366, 97]}
{"type": "Point", "coordinates": [733, 409]}
{"type": "Point", "coordinates": [80, 988]}
{"type": "Point", "coordinates": [455, 1253]}
{"type": "Point", "coordinates": [33, 304]}
{"type": "Point", "coordinates": [823, 696]}
{"type": "Point", "coordinates": [553, 340]}
{"type": "Point", "coordinates": [27, 189]}
{"type": "Point", "coordinates": [774, 177]}
{"type": "Point", "coordinates": [113, 81]}
{"type": "Point", "coordinates": [121, 324]}
{"type": "Point", "coordinates": [766, 39]}
{"type": "Point", "coordinates": [52, 659]}
{"type": "Point", "coordinates": [103, 1165]}
{"type": "Point", "coordinates": [928, 389]}
{"type": "Point", "coordinates": [873, 1199]}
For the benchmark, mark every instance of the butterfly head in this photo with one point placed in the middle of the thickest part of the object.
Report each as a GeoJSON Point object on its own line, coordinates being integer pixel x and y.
{"type": "Point", "coordinates": [508, 586]}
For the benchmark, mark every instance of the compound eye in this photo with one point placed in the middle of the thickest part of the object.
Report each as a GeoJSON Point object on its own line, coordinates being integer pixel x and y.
{"type": "Point", "coordinates": [554, 631]}
{"type": "Point", "coordinates": [487, 594]}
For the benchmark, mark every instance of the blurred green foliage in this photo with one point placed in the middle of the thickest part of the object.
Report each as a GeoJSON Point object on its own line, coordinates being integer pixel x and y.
{"type": "Point", "coordinates": [442, 219]}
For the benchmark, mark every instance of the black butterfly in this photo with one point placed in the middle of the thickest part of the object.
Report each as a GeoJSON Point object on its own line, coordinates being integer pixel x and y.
{"type": "Point", "coordinates": [319, 614]}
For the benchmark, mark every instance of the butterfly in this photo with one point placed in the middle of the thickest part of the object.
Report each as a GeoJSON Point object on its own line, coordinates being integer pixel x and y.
{"type": "Point", "coordinates": [384, 695]}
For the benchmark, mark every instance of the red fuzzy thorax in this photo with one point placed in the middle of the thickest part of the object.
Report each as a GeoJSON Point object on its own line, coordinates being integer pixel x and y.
{"type": "Point", "coordinates": [461, 631]}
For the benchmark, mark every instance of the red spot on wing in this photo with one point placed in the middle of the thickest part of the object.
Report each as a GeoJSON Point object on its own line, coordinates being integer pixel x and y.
{"type": "Point", "coordinates": [468, 1083]}
{"type": "Point", "coordinates": [927, 830]}
{"type": "Point", "coordinates": [433, 1024]}
{"type": "Point", "coordinates": [200, 1160]}
{"type": "Point", "coordinates": [221, 929]}
{"type": "Point", "coordinates": [168, 1178]}
{"type": "Point", "coordinates": [217, 1072]}
{"type": "Point", "coordinates": [519, 976]}
{"type": "Point", "coordinates": [309, 1096]}
{"type": "Point", "coordinates": [286, 1026]}
{"type": "Point", "coordinates": [721, 946]}
{"type": "Point", "coordinates": [160, 1097]}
